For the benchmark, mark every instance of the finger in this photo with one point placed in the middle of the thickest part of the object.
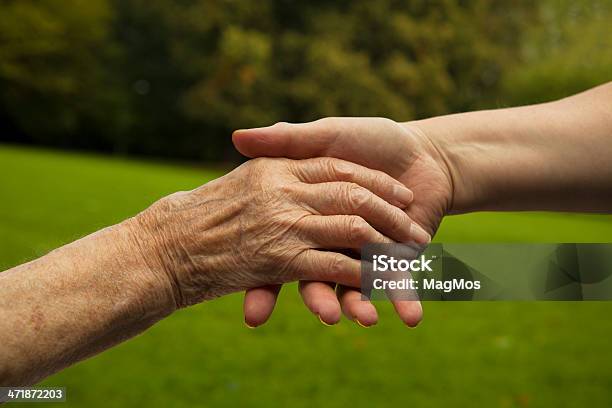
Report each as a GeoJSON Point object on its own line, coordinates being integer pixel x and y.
{"type": "Point", "coordinates": [259, 304]}
{"type": "Point", "coordinates": [351, 232]}
{"type": "Point", "coordinates": [354, 308]}
{"type": "Point", "coordinates": [326, 169]}
{"type": "Point", "coordinates": [339, 198]}
{"type": "Point", "coordinates": [321, 299]}
{"type": "Point", "coordinates": [364, 313]}
{"type": "Point", "coordinates": [295, 141]}
{"type": "Point", "coordinates": [341, 232]}
{"type": "Point", "coordinates": [410, 311]}
{"type": "Point", "coordinates": [405, 301]}
{"type": "Point", "coordinates": [323, 266]}
{"type": "Point", "coordinates": [367, 141]}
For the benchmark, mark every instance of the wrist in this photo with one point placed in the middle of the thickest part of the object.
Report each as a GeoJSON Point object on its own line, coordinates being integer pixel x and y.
{"type": "Point", "coordinates": [173, 240]}
{"type": "Point", "coordinates": [149, 274]}
{"type": "Point", "coordinates": [444, 144]}
{"type": "Point", "coordinates": [467, 153]}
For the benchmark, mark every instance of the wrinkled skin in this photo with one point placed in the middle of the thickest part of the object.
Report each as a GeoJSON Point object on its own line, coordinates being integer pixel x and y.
{"type": "Point", "coordinates": [403, 151]}
{"type": "Point", "coordinates": [268, 222]}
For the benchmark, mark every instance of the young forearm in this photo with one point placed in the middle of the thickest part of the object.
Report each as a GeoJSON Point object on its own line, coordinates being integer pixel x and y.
{"type": "Point", "coordinates": [75, 302]}
{"type": "Point", "coordinates": [552, 156]}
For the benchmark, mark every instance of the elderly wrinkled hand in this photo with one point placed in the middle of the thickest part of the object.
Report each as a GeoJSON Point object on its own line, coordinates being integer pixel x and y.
{"type": "Point", "coordinates": [271, 221]}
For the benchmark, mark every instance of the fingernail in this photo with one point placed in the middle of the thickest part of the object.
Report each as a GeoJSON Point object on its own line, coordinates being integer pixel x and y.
{"type": "Point", "coordinates": [412, 323]}
{"type": "Point", "coordinates": [322, 321]}
{"type": "Point", "coordinates": [403, 194]}
{"type": "Point", "coordinates": [249, 326]}
{"type": "Point", "coordinates": [361, 324]}
{"type": "Point", "coordinates": [419, 235]}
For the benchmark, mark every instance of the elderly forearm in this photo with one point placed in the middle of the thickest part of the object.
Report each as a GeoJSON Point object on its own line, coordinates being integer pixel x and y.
{"type": "Point", "coordinates": [75, 302]}
{"type": "Point", "coordinates": [552, 156]}
{"type": "Point", "coordinates": [264, 223]}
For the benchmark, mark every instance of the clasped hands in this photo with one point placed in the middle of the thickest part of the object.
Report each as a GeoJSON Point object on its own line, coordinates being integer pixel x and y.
{"type": "Point", "coordinates": [312, 191]}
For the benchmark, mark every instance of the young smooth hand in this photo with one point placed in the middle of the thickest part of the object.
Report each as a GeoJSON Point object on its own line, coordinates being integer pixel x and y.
{"type": "Point", "coordinates": [551, 156]}
{"type": "Point", "coordinates": [402, 151]}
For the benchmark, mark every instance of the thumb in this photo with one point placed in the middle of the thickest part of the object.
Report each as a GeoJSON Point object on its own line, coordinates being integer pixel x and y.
{"type": "Point", "coordinates": [377, 143]}
{"type": "Point", "coordinates": [295, 141]}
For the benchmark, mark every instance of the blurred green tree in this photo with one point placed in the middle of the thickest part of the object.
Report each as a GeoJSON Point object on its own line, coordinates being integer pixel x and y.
{"type": "Point", "coordinates": [57, 63]}
{"type": "Point", "coordinates": [568, 51]}
{"type": "Point", "coordinates": [174, 78]}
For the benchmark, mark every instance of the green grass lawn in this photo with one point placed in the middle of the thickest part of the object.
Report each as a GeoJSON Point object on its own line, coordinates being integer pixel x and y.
{"type": "Point", "coordinates": [495, 354]}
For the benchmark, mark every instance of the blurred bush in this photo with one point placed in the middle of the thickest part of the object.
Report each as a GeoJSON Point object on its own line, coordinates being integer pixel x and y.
{"type": "Point", "coordinates": [57, 73]}
{"type": "Point", "coordinates": [174, 78]}
{"type": "Point", "coordinates": [570, 50]}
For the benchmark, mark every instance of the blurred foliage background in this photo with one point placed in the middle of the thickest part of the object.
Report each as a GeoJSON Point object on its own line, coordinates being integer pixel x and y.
{"type": "Point", "coordinates": [174, 78]}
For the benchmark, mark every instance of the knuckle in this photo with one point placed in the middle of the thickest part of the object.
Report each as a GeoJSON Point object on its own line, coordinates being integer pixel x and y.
{"type": "Point", "coordinates": [281, 161]}
{"type": "Point", "coordinates": [357, 229]}
{"type": "Point", "coordinates": [387, 123]}
{"type": "Point", "coordinates": [336, 266]}
{"type": "Point", "coordinates": [329, 121]}
{"type": "Point", "coordinates": [256, 166]}
{"type": "Point", "coordinates": [289, 189]}
{"type": "Point", "coordinates": [326, 164]}
{"type": "Point", "coordinates": [358, 196]}
{"type": "Point", "coordinates": [340, 169]}
{"type": "Point", "coordinates": [281, 126]}
{"type": "Point", "coordinates": [266, 168]}
{"type": "Point", "coordinates": [383, 179]}
{"type": "Point", "coordinates": [258, 161]}
{"type": "Point", "coordinates": [397, 221]}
